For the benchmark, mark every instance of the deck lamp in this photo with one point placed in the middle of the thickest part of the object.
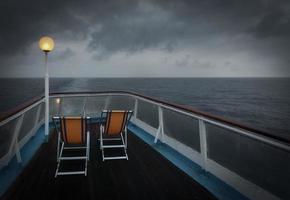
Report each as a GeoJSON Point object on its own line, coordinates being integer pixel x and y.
{"type": "Point", "coordinates": [46, 44]}
{"type": "Point", "coordinates": [57, 100]}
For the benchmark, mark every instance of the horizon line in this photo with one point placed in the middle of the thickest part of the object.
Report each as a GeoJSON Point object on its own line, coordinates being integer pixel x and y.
{"type": "Point", "coordinates": [146, 77]}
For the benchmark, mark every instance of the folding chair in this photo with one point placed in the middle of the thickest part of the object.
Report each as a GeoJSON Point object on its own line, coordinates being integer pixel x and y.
{"type": "Point", "coordinates": [114, 129]}
{"type": "Point", "coordinates": [73, 134]}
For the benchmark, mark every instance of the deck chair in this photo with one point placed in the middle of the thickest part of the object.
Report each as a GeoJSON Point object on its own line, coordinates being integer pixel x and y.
{"type": "Point", "coordinates": [73, 134]}
{"type": "Point", "coordinates": [114, 129]}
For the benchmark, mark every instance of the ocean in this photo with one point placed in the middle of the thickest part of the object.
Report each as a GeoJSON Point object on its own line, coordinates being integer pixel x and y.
{"type": "Point", "coordinates": [262, 103]}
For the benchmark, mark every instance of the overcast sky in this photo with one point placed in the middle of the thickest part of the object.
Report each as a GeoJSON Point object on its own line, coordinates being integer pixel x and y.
{"type": "Point", "coordinates": [146, 38]}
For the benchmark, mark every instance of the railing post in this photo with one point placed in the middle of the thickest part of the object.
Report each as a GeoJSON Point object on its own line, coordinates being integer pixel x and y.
{"type": "Point", "coordinates": [203, 143]}
{"type": "Point", "coordinates": [107, 102]}
{"type": "Point", "coordinates": [135, 108]}
{"type": "Point", "coordinates": [17, 152]}
{"type": "Point", "coordinates": [14, 144]}
{"type": "Point", "coordinates": [84, 106]}
{"type": "Point", "coordinates": [37, 117]}
{"type": "Point", "coordinates": [160, 130]}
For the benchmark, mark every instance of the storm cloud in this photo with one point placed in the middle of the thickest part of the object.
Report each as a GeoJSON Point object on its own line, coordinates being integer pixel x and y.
{"type": "Point", "coordinates": [252, 33]}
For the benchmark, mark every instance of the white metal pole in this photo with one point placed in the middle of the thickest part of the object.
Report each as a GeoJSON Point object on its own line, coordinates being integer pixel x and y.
{"type": "Point", "coordinates": [160, 131]}
{"type": "Point", "coordinates": [135, 108]}
{"type": "Point", "coordinates": [46, 97]}
{"type": "Point", "coordinates": [203, 143]}
{"type": "Point", "coordinates": [15, 139]}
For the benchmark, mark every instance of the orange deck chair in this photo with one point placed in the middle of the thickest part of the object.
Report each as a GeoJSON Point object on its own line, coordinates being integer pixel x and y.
{"type": "Point", "coordinates": [114, 129]}
{"type": "Point", "coordinates": [72, 133]}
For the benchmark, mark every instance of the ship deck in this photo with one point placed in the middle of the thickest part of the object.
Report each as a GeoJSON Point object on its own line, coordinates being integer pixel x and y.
{"type": "Point", "coordinates": [146, 175]}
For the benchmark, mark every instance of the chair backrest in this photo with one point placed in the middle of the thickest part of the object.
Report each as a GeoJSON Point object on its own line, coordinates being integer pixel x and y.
{"type": "Point", "coordinates": [72, 129]}
{"type": "Point", "coordinates": [116, 121]}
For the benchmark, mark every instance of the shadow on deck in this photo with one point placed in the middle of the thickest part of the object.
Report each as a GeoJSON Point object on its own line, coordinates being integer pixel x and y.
{"type": "Point", "coordinates": [147, 175]}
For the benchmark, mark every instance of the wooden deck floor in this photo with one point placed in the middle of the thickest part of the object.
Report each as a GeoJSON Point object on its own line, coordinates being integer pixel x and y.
{"type": "Point", "coordinates": [147, 175]}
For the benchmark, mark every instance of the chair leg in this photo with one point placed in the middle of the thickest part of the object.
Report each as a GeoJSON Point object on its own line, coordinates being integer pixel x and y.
{"type": "Point", "coordinates": [123, 146]}
{"type": "Point", "coordinates": [103, 156]}
{"type": "Point", "coordinates": [57, 168]}
{"type": "Point", "coordinates": [126, 137]}
{"type": "Point", "coordinates": [88, 146]}
{"type": "Point", "coordinates": [58, 159]}
{"type": "Point", "coordinates": [101, 142]}
{"type": "Point", "coordinates": [85, 158]}
{"type": "Point", "coordinates": [101, 137]}
{"type": "Point", "coordinates": [126, 154]}
{"type": "Point", "coordinates": [61, 150]}
{"type": "Point", "coordinates": [86, 167]}
{"type": "Point", "coordinates": [125, 143]}
{"type": "Point", "coordinates": [58, 146]}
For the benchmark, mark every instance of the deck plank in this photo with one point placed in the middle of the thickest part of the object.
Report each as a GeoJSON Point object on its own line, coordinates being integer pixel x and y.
{"type": "Point", "coordinates": [147, 175]}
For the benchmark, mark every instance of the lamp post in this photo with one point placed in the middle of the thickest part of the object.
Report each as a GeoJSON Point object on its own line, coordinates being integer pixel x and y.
{"type": "Point", "coordinates": [46, 44]}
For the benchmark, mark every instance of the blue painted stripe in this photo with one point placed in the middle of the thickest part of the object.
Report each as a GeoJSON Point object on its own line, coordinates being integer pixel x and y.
{"type": "Point", "coordinates": [10, 172]}
{"type": "Point", "coordinates": [220, 189]}
{"type": "Point", "coordinates": [213, 184]}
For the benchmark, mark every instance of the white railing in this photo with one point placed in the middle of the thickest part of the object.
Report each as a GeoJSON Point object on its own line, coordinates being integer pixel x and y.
{"type": "Point", "coordinates": [200, 156]}
{"type": "Point", "coordinates": [158, 125]}
{"type": "Point", "coordinates": [13, 126]}
{"type": "Point", "coordinates": [246, 187]}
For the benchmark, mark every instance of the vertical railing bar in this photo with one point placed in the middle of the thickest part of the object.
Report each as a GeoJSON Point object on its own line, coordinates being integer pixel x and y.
{"type": "Point", "coordinates": [58, 145]}
{"type": "Point", "coordinates": [14, 144]}
{"type": "Point", "coordinates": [37, 117]}
{"type": "Point", "coordinates": [17, 152]}
{"type": "Point", "coordinates": [160, 130]}
{"type": "Point", "coordinates": [107, 101]}
{"type": "Point", "coordinates": [162, 124]}
{"type": "Point", "coordinates": [135, 108]}
{"type": "Point", "coordinates": [203, 143]}
{"type": "Point", "coordinates": [157, 134]}
{"type": "Point", "coordinates": [84, 106]}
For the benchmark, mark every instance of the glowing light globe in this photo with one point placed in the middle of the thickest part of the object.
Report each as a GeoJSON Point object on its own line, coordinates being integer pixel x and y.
{"type": "Point", "coordinates": [46, 44]}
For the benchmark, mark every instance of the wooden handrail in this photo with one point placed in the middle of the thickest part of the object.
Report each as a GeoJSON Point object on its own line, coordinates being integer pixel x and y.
{"type": "Point", "coordinates": [20, 107]}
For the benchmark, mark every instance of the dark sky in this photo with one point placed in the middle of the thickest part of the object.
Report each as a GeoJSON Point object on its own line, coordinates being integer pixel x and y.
{"type": "Point", "coordinates": [146, 38]}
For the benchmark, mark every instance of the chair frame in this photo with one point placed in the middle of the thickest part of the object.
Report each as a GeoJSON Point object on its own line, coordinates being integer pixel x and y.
{"type": "Point", "coordinates": [61, 147]}
{"type": "Point", "coordinates": [121, 138]}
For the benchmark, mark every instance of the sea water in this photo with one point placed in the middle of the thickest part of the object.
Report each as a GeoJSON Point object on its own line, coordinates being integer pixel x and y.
{"type": "Point", "coordinates": [262, 103]}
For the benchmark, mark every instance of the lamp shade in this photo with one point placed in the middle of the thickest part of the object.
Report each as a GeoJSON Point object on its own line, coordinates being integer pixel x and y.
{"type": "Point", "coordinates": [46, 44]}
